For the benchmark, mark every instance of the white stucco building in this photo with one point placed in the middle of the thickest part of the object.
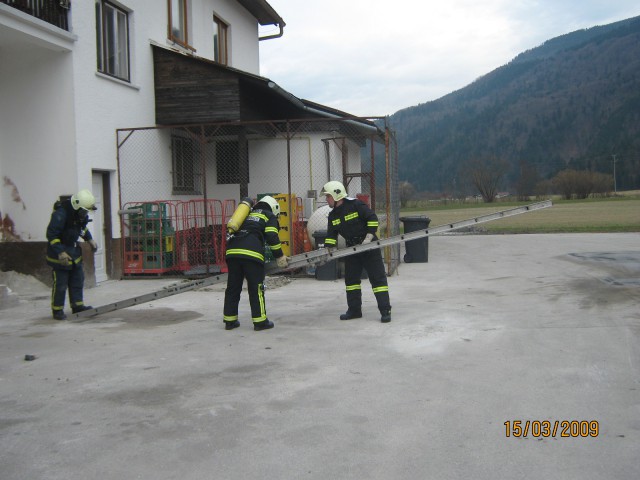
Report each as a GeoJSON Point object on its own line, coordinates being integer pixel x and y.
{"type": "Point", "coordinates": [74, 75]}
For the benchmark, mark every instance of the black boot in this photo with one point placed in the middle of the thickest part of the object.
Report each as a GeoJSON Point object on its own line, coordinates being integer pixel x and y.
{"type": "Point", "coordinates": [351, 314]}
{"type": "Point", "coordinates": [264, 325]}
{"type": "Point", "coordinates": [59, 315]}
{"type": "Point", "coordinates": [385, 315]}
{"type": "Point", "coordinates": [231, 325]}
{"type": "Point", "coordinates": [81, 308]}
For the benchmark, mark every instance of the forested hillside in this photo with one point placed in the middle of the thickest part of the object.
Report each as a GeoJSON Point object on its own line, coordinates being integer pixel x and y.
{"type": "Point", "coordinates": [573, 102]}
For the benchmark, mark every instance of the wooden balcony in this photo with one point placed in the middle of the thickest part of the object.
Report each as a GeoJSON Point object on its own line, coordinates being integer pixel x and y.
{"type": "Point", "coordinates": [55, 12]}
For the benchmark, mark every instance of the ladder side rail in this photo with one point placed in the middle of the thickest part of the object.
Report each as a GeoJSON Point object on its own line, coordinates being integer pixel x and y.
{"type": "Point", "coordinates": [312, 258]}
{"type": "Point", "coordinates": [316, 256]}
{"type": "Point", "coordinates": [169, 290]}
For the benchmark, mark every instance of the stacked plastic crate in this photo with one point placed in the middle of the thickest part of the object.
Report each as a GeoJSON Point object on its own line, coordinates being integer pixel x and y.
{"type": "Point", "coordinates": [292, 240]}
{"type": "Point", "coordinates": [150, 238]}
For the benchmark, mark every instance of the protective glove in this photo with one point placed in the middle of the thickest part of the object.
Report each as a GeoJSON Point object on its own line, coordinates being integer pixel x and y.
{"type": "Point", "coordinates": [65, 259]}
{"type": "Point", "coordinates": [367, 239]}
{"type": "Point", "coordinates": [94, 245]}
{"type": "Point", "coordinates": [283, 261]}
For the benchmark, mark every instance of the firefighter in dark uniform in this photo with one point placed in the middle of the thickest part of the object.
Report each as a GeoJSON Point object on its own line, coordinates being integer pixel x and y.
{"type": "Point", "coordinates": [245, 259]}
{"type": "Point", "coordinates": [358, 224]}
{"type": "Point", "coordinates": [68, 223]}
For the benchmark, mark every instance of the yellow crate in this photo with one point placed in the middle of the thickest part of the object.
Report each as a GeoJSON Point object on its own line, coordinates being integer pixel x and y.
{"type": "Point", "coordinates": [286, 248]}
{"type": "Point", "coordinates": [168, 244]}
{"type": "Point", "coordinates": [284, 233]}
{"type": "Point", "coordinates": [285, 200]}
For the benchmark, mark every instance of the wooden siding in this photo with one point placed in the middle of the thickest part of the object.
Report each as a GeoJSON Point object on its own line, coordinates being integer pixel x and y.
{"type": "Point", "coordinates": [189, 90]}
{"type": "Point", "coordinates": [194, 91]}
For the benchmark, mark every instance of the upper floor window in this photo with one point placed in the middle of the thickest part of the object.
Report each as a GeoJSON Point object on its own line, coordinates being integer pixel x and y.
{"type": "Point", "coordinates": [178, 24]}
{"type": "Point", "coordinates": [112, 40]}
{"type": "Point", "coordinates": [220, 52]}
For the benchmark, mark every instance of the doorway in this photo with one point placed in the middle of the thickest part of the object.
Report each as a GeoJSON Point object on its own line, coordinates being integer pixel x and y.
{"type": "Point", "coordinates": [101, 191]}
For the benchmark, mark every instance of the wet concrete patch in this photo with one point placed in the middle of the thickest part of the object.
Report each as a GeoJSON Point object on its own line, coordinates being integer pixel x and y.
{"type": "Point", "coordinates": [629, 260]}
{"type": "Point", "coordinates": [142, 318]}
{"type": "Point", "coordinates": [623, 267]}
{"type": "Point", "coordinates": [36, 335]}
{"type": "Point", "coordinates": [622, 282]}
{"type": "Point", "coordinates": [620, 272]}
{"type": "Point", "coordinates": [147, 397]}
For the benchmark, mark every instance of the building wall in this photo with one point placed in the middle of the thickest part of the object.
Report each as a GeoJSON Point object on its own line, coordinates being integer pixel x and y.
{"type": "Point", "coordinates": [269, 167]}
{"type": "Point", "coordinates": [36, 124]}
{"type": "Point", "coordinates": [58, 116]}
{"type": "Point", "coordinates": [104, 104]}
{"type": "Point", "coordinates": [59, 119]}
{"type": "Point", "coordinates": [243, 33]}
{"type": "Point", "coordinates": [37, 139]}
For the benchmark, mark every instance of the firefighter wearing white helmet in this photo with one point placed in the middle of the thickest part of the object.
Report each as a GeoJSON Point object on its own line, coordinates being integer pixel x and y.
{"type": "Point", "coordinates": [84, 200]}
{"type": "Point", "coordinates": [245, 260]}
{"type": "Point", "coordinates": [273, 204]}
{"type": "Point", "coordinates": [357, 223]}
{"type": "Point", "coordinates": [69, 222]}
{"type": "Point", "coordinates": [335, 189]}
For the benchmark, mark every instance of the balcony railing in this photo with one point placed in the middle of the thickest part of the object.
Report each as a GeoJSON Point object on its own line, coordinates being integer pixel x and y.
{"type": "Point", "coordinates": [55, 12]}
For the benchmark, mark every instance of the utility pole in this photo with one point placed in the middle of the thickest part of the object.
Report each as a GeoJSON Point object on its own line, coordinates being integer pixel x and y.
{"type": "Point", "coordinates": [615, 188]}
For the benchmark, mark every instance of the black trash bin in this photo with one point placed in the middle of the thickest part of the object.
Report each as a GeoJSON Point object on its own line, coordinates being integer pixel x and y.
{"type": "Point", "coordinates": [417, 251]}
{"type": "Point", "coordinates": [328, 271]}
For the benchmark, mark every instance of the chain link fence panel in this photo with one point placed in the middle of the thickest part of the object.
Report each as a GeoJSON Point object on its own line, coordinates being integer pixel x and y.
{"type": "Point", "coordinates": [180, 185]}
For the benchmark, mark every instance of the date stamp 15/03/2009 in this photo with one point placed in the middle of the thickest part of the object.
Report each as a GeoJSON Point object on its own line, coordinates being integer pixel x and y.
{"type": "Point", "coordinates": [552, 428]}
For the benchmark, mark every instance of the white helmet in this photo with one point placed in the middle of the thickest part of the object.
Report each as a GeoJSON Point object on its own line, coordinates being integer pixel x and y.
{"type": "Point", "coordinates": [83, 199]}
{"type": "Point", "coordinates": [273, 203]}
{"type": "Point", "coordinates": [335, 189]}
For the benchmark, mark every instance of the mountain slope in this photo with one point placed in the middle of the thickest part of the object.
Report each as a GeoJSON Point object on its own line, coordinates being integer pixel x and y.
{"type": "Point", "coordinates": [573, 102]}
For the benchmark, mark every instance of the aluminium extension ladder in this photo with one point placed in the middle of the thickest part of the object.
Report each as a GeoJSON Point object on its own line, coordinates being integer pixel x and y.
{"type": "Point", "coordinates": [310, 258]}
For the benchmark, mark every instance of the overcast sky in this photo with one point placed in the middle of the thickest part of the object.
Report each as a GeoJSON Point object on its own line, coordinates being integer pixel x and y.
{"type": "Point", "coordinates": [375, 57]}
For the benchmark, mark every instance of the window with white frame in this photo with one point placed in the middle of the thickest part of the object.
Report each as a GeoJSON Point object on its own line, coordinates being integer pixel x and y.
{"type": "Point", "coordinates": [112, 40]}
{"type": "Point", "coordinates": [220, 43]}
{"type": "Point", "coordinates": [187, 175]}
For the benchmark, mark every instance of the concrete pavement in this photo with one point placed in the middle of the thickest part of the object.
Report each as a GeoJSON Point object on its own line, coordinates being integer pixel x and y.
{"type": "Point", "coordinates": [494, 329]}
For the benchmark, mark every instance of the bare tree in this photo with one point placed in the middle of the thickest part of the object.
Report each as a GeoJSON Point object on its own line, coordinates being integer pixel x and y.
{"type": "Point", "coordinates": [526, 184]}
{"type": "Point", "coordinates": [485, 174]}
{"type": "Point", "coordinates": [407, 192]}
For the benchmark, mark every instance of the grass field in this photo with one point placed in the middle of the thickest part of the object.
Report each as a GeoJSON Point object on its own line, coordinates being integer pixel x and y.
{"type": "Point", "coordinates": [614, 214]}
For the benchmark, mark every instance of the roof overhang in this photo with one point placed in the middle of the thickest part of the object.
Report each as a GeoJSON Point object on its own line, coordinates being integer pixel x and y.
{"type": "Point", "coordinates": [195, 90]}
{"type": "Point", "coordinates": [265, 14]}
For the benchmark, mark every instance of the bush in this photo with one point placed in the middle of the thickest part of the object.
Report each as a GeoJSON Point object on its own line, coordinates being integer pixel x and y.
{"type": "Point", "coordinates": [581, 183]}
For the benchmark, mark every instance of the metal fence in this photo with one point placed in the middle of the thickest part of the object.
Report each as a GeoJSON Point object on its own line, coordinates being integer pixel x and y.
{"type": "Point", "coordinates": [55, 12]}
{"type": "Point", "coordinates": [180, 184]}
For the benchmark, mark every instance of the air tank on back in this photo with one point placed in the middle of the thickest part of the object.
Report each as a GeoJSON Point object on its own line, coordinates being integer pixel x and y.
{"type": "Point", "coordinates": [239, 215]}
